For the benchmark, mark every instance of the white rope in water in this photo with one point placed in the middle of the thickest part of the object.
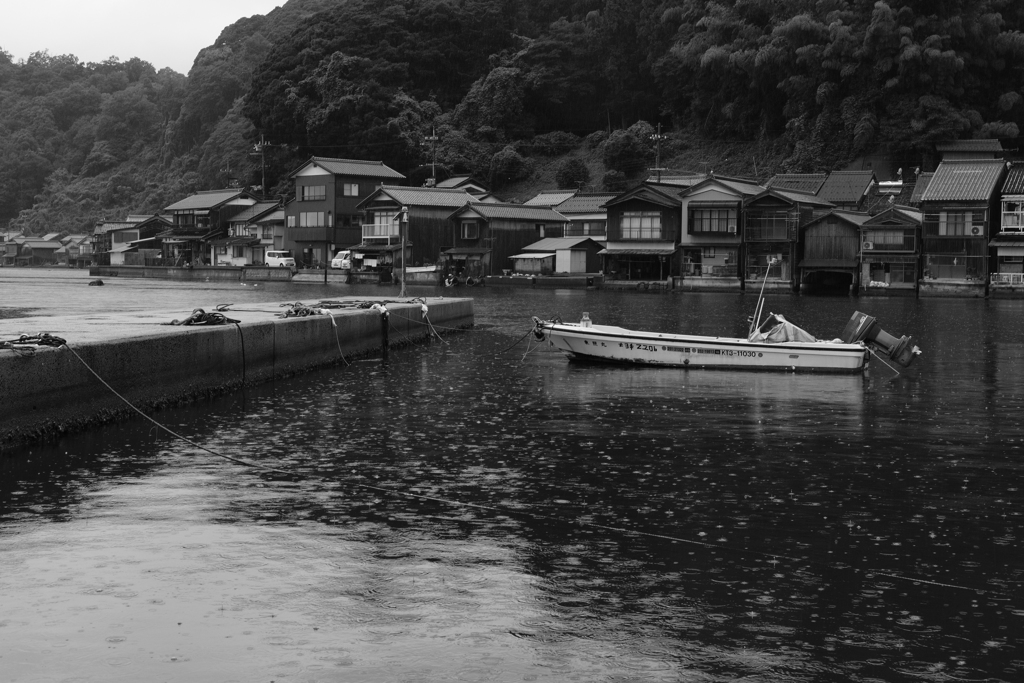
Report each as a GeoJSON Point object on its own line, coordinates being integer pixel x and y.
{"type": "Point", "coordinates": [868, 573]}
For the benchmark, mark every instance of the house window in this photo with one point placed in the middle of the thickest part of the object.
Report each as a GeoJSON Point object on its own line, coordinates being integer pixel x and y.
{"type": "Point", "coordinates": [641, 225]}
{"type": "Point", "coordinates": [238, 252]}
{"type": "Point", "coordinates": [314, 193]}
{"type": "Point", "coordinates": [961, 223]}
{"type": "Point", "coordinates": [707, 252]}
{"type": "Point", "coordinates": [312, 219]}
{"type": "Point", "coordinates": [470, 230]}
{"type": "Point", "coordinates": [350, 189]}
{"type": "Point", "coordinates": [268, 232]}
{"type": "Point", "coordinates": [222, 250]}
{"type": "Point", "coordinates": [713, 220]}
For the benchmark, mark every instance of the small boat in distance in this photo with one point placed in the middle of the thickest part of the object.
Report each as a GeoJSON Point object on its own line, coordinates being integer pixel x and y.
{"type": "Point", "coordinates": [772, 344]}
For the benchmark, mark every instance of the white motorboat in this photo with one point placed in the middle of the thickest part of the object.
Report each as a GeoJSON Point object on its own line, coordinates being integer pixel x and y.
{"type": "Point", "coordinates": [772, 344]}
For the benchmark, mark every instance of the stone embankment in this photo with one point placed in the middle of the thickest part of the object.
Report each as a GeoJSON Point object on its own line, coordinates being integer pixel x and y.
{"type": "Point", "coordinates": [47, 391]}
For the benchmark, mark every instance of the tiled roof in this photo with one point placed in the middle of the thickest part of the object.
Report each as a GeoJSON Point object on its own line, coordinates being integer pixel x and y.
{"type": "Point", "coordinates": [556, 243]}
{"type": "Point", "coordinates": [103, 228]}
{"type": "Point", "coordinates": [272, 216]}
{"type": "Point", "coordinates": [747, 188]}
{"type": "Point", "coordinates": [964, 180]}
{"type": "Point", "coordinates": [791, 196]}
{"type": "Point", "coordinates": [354, 167]}
{"type": "Point", "coordinates": [986, 145]}
{"type": "Point", "coordinates": [423, 196]}
{"type": "Point", "coordinates": [845, 187]}
{"type": "Point", "coordinates": [585, 203]}
{"type": "Point", "coordinates": [208, 199]}
{"type": "Point", "coordinates": [923, 181]}
{"type": "Point", "coordinates": [42, 244]}
{"type": "Point", "coordinates": [517, 212]}
{"type": "Point", "coordinates": [250, 212]}
{"type": "Point", "coordinates": [550, 197]}
{"type": "Point", "coordinates": [802, 182]}
{"type": "Point", "coordinates": [685, 180]}
{"type": "Point", "coordinates": [460, 181]}
{"type": "Point", "coordinates": [1014, 179]}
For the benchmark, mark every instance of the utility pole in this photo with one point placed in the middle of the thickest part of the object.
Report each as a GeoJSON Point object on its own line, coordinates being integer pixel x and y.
{"type": "Point", "coordinates": [658, 137]}
{"type": "Point", "coordinates": [260, 149]}
{"type": "Point", "coordinates": [403, 227]}
{"type": "Point", "coordinates": [432, 141]}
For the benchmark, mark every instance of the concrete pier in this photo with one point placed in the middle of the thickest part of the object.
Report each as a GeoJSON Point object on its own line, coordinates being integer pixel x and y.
{"type": "Point", "coordinates": [153, 363]}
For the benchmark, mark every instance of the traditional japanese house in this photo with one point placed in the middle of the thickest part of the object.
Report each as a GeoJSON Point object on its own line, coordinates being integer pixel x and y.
{"type": "Point", "coordinates": [325, 215]}
{"type": "Point", "coordinates": [198, 219]}
{"type": "Point", "coordinates": [428, 229]}
{"type": "Point", "coordinates": [246, 242]}
{"type": "Point", "coordinates": [643, 234]}
{"type": "Point", "coordinates": [141, 234]}
{"type": "Point", "coordinates": [711, 238]}
{"type": "Point", "coordinates": [847, 189]}
{"type": "Point", "coordinates": [587, 215]}
{"type": "Point", "coordinates": [960, 207]}
{"type": "Point", "coordinates": [771, 233]}
{"type": "Point", "coordinates": [485, 235]}
{"type": "Point", "coordinates": [1008, 244]}
{"type": "Point", "coordinates": [830, 250]}
{"type": "Point", "coordinates": [890, 252]}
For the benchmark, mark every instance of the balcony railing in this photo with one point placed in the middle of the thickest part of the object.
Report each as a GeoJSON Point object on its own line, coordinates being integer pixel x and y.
{"type": "Point", "coordinates": [381, 233]}
{"type": "Point", "coordinates": [1007, 278]}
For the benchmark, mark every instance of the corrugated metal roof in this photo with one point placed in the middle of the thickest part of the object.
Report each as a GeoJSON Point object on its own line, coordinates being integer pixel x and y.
{"type": "Point", "coordinates": [104, 228]}
{"type": "Point", "coordinates": [986, 145]}
{"type": "Point", "coordinates": [585, 203]}
{"type": "Point", "coordinates": [207, 199]}
{"type": "Point", "coordinates": [557, 243]}
{"type": "Point", "coordinates": [535, 255]}
{"type": "Point", "coordinates": [964, 180]}
{"type": "Point", "coordinates": [423, 196]}
{"type": "Point", "coordinates": [802, 182]}
{"type": "Point", "coordinates": [845, 187]}
{"type": "Point", "coordinates": [687, 180]}
{"type": "Point", "coordinates": [549, 197]}
{"type": "Point", "coordinates": [42, 244]}
{"type": "Point", "coordinates": [1014, 183]}
{"type": "Point", "coordinates": [353, 167]}
{"type": "Point", "coordinates": [517, 212]}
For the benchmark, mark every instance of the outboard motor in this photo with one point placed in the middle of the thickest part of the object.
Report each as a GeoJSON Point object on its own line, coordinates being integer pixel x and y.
{"type": "Point", "coordinates": [864, 328]}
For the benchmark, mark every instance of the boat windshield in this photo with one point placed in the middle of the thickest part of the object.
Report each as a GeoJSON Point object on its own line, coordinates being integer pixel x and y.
{"type": "Point", "coordinates": [777, 329]}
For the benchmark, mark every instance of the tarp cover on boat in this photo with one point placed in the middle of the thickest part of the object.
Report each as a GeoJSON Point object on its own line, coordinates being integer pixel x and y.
{"type": "Point", "coordinates": [776, 329]}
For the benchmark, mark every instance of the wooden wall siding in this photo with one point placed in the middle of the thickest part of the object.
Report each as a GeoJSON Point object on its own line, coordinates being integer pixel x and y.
{"type": "Point", "coordinates": [507, 238]}
{"type": "Point", "coordinates": [429, 230]}
{"type": "Point", "coordinates": [832, 241]}
{"type": "Point", "coordinates": [670, 220]}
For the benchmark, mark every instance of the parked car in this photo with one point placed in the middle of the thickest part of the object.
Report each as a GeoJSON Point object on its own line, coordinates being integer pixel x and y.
{"type": "Point", "coordinates": [342, 260]}
{"type": "Point", "coordinates": [281, 259]}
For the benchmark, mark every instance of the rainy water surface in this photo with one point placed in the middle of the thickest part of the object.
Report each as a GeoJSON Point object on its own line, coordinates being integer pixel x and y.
{"type": "Point", "coordinates": [484, 510]}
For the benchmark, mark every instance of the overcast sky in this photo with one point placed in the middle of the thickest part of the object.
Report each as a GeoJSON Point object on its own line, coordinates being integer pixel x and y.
{"type": "Point", "coordinates": [163, 33]}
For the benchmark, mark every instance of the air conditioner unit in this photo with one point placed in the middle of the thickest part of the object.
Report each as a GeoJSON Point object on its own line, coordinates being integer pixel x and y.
{"type": "Point", "coordinates": [868, 246]}
{"type": "Point", "coordinates": [975, 230]}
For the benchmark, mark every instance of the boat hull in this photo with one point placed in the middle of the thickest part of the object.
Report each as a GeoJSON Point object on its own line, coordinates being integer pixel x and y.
{"type": "Point", "coordinates": [606, 344]}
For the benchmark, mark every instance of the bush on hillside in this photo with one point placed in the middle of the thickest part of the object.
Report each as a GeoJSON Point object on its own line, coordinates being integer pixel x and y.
{"type": "Point", "coordinates": [571, 173]}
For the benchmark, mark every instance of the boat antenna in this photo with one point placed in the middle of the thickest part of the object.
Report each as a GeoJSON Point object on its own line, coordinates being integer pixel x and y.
{"type": "Point", "coordinates": [755, 322]}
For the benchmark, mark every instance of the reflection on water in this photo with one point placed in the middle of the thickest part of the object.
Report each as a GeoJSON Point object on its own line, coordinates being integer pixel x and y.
{"type": "Point", "coordinates": [475, 512]}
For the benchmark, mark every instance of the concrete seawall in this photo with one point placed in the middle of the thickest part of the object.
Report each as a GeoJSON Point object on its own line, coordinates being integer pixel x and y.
{"type": "Point", "coordinates": [51, 392]}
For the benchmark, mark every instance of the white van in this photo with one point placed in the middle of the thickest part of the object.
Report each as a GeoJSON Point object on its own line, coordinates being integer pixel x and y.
{"type": "Point", "coordinates": [281, 259]}
{"type": "Point", "coordinates": [342, 260]}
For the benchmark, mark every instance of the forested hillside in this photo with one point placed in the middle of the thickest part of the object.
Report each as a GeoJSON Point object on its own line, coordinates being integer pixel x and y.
{"type": "Point", "coordinates": [518, 92]}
